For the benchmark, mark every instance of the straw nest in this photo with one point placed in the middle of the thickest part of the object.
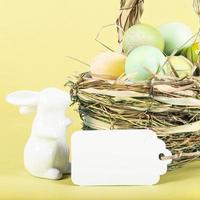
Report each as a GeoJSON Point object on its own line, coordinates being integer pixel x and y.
{"type": "Point", "coordinates": [170, 106]}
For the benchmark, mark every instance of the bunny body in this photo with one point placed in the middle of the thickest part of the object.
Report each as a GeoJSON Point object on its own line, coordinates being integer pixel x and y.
{"type": "Point", "coordinates": [46, 153]}
{"type": "Point", "coordinates": [46, 159]}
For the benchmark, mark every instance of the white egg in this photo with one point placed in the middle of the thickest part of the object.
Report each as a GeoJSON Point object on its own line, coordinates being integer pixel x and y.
{"type": "Point", "coordinates": [176, 34]}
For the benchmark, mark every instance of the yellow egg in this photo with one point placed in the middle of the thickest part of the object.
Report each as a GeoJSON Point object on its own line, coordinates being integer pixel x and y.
{"type": "Point", "coordinates": [109, 65]}
{"type": "Point", "coordinates": [182, 66]}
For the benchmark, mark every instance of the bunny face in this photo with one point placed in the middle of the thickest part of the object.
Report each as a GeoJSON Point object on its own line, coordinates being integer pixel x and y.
{"type": "Point", "coordinates": [53, 99]}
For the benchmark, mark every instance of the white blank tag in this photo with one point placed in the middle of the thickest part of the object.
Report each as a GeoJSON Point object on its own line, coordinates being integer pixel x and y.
{"type": "Point", "coordinates": [117, 157]}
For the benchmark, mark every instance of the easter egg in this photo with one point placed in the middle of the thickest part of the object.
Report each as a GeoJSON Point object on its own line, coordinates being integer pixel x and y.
{"type": "Point", "coordinates": [140, 35]}
{"type": "Point", "coordinates": [109, 65]}
{"type": "Point", "coordinates": [180, 64]}
{"type": "Point", "coordinates": [176, 34]}
{"type": "Point", "coordinates": [143, 62]}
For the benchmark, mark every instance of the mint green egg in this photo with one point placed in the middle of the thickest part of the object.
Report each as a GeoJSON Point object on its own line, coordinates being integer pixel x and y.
{"type": "Point", "coordinates": [144, 61]}
{"type": "Point", "coordinates": [142, 34]}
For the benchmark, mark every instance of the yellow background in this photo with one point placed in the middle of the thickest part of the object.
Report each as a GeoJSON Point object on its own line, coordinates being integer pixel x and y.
{"type": "Point", "coordinates": [35, 38]}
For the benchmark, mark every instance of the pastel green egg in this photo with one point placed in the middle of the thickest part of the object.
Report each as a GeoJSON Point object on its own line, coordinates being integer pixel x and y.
{"type": "Point", "coordinates": [142, 34]}
{"type": "Point", "coordinates": [143, 62]}
{"type": "Point", "coordinates": [176, 34]}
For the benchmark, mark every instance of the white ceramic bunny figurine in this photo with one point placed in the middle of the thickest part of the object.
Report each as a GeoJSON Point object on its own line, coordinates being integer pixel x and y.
{"type": "Point", "coordinates": [46, 154]}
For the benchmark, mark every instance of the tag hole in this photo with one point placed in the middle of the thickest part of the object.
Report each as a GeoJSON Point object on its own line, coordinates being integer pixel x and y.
{"type": "Point", "coordinates": [161, 155]}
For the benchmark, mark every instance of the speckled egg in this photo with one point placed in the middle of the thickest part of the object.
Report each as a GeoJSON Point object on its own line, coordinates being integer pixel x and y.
{"type": "Point", "coordinates": [140, 35]}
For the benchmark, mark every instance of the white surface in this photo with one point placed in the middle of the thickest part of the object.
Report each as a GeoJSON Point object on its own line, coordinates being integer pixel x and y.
{"type": "Point", "coordinates": [46, 152]}
{"type": "Point", "coordinates": [117, 157]}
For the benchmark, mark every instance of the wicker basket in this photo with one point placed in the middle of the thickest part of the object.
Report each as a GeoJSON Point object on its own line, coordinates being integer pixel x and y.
{"type": "Point", "coordinates": [170, 106]}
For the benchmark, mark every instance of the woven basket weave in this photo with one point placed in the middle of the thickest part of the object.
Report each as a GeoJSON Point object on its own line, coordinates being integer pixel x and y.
{"type": "Point", "coordinates": [170, 106]}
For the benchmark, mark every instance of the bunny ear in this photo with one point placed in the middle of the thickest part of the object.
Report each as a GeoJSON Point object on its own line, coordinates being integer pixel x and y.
{"type": "Point", "coordinates": [23, 98]}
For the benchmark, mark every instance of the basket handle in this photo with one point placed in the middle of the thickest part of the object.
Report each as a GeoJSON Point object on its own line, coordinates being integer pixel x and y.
{"type": "Point", "coordinates": [131, 13]}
